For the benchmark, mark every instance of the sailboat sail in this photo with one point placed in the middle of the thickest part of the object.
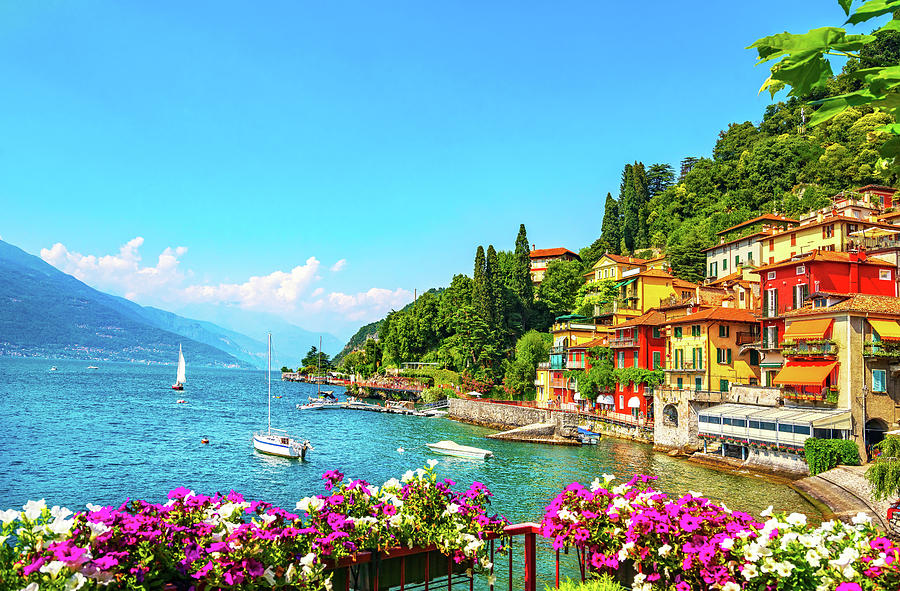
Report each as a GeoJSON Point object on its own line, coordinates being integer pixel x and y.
{"type": "Point", "coordinates": [179, 378]}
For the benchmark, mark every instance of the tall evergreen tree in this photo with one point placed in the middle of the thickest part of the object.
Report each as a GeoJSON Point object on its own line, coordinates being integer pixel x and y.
{"type": "Point", "coordinates": [659, 178]}
{"type": "Point", "coordinates": [630, 210]}
{"type": "Point", "coordinates": [494, 289]}
{"type": "Point", "coordinates": [611, 228]}
{"type": "Point", "coordinates": [523, 286]}
{"type": "Point", "coordinates": [479, 285]}
{"type": "Point", "coordinates": [641, 197]}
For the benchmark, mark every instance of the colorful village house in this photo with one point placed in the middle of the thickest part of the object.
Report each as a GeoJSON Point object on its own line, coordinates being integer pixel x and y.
{"type": "Point", "coordinates": [739, 245]}
{"type": "Point", "coordinates": [843, 354]}
{"type": "Point", "coordinates": [639, 343]}
{"type": "Point", "coordinates": [640, 291]}
{"type": "Point", "coordinates": [849, 224]}
{"type": "Point", "coordinates": [542, 257]}
{"type": "Point", "coordinates": [554, 388]}
{"type": "Point", "coordinates": [787, 285]}
{"type": "Point", "coordinates": [610, 267]}
{"type": "Point", "coordinates": [741, 289]}
{"type": "Point", "coordinates": [703, 354]}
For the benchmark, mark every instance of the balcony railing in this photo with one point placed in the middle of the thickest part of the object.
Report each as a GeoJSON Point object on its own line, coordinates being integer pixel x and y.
{"type": "Point", "coordinates": [809, 348]}
{"type": "Point", "coordinates": [558, 383]}
{"type": "Point", "coordinates": [747, 338]}
{"type": "Point", "coordinates": [557, 350]}
{"type": "Point", "coordinates": [671, 394]}
{"type": "Point", "coordinates": [687, 366]}
{"type": "Point", "coordinates": [881, 349]}
{"type": "Point", "coordinates": [629, 342]}
{"type": "Point", "coordinates": [827, 395]}
{"type": "Point", "coordinates": [575, 364]}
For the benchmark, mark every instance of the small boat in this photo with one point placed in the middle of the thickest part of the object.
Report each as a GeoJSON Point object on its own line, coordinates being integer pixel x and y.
{"type": "Point", "coordinates": [179, 374]}
{"type": "Point", "coordinates": [450, 448]}
{"type": "Point", "coordinates": [92, 367]}
{"type": "Point", "coordinates": [277, 442]}
{"type": "Point", "coordinates": [182, 401]}
{"type": "Point", "coordinates": [311, 406]}
{"type": "Point", "coordinates": [53, 368]}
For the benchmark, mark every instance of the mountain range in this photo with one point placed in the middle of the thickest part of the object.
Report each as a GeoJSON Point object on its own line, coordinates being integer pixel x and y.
{"type": "Point", "coordinates": [47, 313]}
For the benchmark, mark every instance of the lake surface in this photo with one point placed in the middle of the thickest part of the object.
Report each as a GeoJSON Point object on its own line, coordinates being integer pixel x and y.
{"type": "Point", "coordinates": [76, 435]}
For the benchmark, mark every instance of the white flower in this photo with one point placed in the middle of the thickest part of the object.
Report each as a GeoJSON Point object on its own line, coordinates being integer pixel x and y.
{"type": "Point", "coordinates": [812, 557]}
{"type": "Point", "coordinates": [58, 512]}
{"type": "Point", "coordinates": [420, 472]}
{"type": "Point", "coordinates": [845, 558]}
{"type": "Point", "coordinates": [92, 507]}
{"type": "Point", "coordinates": [664, 550]}
{"type": "Point", "coordinates": [372, 490]}
{"type": "Point", "coordinates": [33, 509]}
{"type": "Point", "coordinates": [97, 528]}
{"type": "Point", "coordinates": [731, 586]}
{"type": "Point", "coordinates": [75, 582]}
{"type": "Point", "coordinates": [393, 483]}
{"type": "Point", "coordinates": [727, 543]}
{"type": "Point", "coordinates": [620, 490]}
{"type": "Point", "coordinates": [306, 562]}
{"type": "Point", "coordinates": [61, 526]}
{"type": "Point", "coordinates": [767, 512]}
{"type": "Point", "coordinates": [53, 567]}
{"type": "Point", "coordinates": [310, 504]}
{"type": "Point", "coordinates": [8, 516]}
{"type": "Point", "coordinates": [849, 572]}
{"type": "Point", "coordinates": [492, 579]}
{"type": "Point", "coordinates": [290, 573]}
{"type": "Point", "coordinates": [432, 463]}
{"type": "Point", "coordinates": [861, 519]}
{"type": "Point", "coordinates": [595, 484]}
{"type": "Point", "coordinates": [607, 478]}
{"type": "Point", "coordinates": [329, 585]}
{"type": "Point", "coordinates": [695, 494]}
{"type": "Point", "coordinates": [784, 569]}
{"type": "Point", "coordinates": [749, 571]}
{"type": "Point", "coordinates": [268, 518]}
{"type": "Point", "coordinates": [407, 476]}
{"type": "Point", "coordinates": [796, 519]}
{"type": "Point", "coordinates": [486, 562]}
{"type": "Point", "coordinates": [31, 587]}
{"type": "Point", "coordinates": [269, 576]}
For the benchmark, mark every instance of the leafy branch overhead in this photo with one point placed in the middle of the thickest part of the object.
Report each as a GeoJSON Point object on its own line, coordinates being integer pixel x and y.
{"type": "Point", "coordinates": [804, 65]}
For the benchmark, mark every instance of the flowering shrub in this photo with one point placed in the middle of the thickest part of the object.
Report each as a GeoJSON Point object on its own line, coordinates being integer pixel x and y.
{"type": "Point", "coordinates": [690, 543]}
{"type": "Point", "coordinates": [225, 542]}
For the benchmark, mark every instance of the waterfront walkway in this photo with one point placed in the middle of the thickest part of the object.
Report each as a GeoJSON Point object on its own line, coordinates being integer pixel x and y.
{"type": "Point", "coordinates": [846, 492]}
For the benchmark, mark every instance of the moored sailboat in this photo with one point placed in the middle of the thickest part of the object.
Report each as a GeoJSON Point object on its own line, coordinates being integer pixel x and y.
{"type": "Point", "coordinates": [277, 442]}
{"type": "Point", "coordinates": [179, 374]}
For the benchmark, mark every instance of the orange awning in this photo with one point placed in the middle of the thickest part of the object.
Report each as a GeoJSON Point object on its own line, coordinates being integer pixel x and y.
{"type": "Point", "coordinates": [888, 330]}
{"type": "Point", "coordinates": [808, 329]}
{"type": "Point", "coordinates": [805, 373]}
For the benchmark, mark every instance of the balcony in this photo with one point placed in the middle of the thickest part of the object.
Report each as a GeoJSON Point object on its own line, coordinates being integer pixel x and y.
{"type": "Point", "coordinates": [747, 338]}
{"type": "Point", "coordinates": [881, 350]}
{"type": "Point", "coordinates": [559, 383]}
{"type": "Point", "coordinates": [672, 394]}
{"type": "Point", "coordinates": [828, 395]}
{"type": "Point", "coordinates": [575, 364]}
{"type": "Point", "coordinates": [557, 350]}
{"type": "Point", "coordinates": [686, 367]}
{"type": "Point", "coordinates": [629, 342]}
{"type": "Point", "coordinates": [817, 348]}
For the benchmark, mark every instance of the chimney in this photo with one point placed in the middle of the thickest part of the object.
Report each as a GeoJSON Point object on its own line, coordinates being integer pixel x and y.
{"type": "Point", "coordinates": [532, 247]}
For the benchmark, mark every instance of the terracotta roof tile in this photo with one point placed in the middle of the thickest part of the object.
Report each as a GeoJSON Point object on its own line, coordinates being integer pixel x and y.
{"type": "Point", "coordinates": [766, 217]}
{"type": "Point", "coordinates": [876, 188]}
{"type": "Point", "coordinates": [723, 314]}
{"type": "Point", "coordinates": [651, 318]}
{"type": "Point", "coordinates": [551, 252]}
{"type": "Point", "coordinates": [628, 260]}
{"type": "Point", "coordinates": [592, 343]}
{"type": "Point", "coordinates": [861, 303]}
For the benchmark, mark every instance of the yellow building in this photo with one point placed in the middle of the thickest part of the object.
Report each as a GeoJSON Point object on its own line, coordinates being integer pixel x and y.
{"type": "Point", "coordinates": [704, 350]}
{"type": "Point", "coordinates": [826, 232]}
{"type": "Point", "coordinates": [568, 331]}
{"type": "Point", "coordinates": [612, 266]}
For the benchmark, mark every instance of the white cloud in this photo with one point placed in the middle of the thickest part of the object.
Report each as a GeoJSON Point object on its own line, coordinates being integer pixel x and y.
{"type": "Point", "coordinates": [292, 294]}
{"type": "Point", "coordinates": [278, 290]}
{"type": "Point", "coordinates": [120, 272]}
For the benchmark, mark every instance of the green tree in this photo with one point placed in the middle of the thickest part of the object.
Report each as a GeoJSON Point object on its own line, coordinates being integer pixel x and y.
{"type": "Point", "coordinates": [610, 230]}
{"type": "Point", "coordinates": [522, 285]}
{"type": "Point", "coordinates": [531, 348]}
{"type": "Point", "coordinates": [659, 178]}
{"type": "Point", "coordinates": [560, 285]}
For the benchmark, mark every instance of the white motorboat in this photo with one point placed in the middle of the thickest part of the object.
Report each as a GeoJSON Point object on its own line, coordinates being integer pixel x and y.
{"type": "Point", "coordinates": [450, 448]}
{"type": "Point", "coordinates": [277, 442]}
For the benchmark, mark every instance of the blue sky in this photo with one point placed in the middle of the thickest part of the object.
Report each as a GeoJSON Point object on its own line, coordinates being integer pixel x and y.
{"type": "Point", "coordinates": [323, 160]}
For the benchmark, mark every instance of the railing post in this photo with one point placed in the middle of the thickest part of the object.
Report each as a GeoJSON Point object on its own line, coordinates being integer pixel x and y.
{"type": "Point", "coordinates": [530, 561]}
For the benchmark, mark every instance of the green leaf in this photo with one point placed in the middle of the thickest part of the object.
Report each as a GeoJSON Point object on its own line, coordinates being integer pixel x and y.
{"type": "Point", "coordinates": [833, 105]}
{"type": "Point", "coordinates": [845, 4]}
{"type": "Point", "coordinates": [802, 75]}
{"type": "Point", "coordinates": [890, 148]}
{"type": "Point", "coordinates": [872, 9]}
{"type": "Point", "coordinates": [892, 25]}
{"type": "Point", "coordinates": [816, 41]}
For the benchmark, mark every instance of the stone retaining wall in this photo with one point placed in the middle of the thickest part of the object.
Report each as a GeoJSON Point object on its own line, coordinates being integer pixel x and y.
{"type": "Point", "coordinates": [497, 416]}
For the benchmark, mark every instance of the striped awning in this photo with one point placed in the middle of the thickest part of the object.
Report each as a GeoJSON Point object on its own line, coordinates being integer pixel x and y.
{"type": "Point", "coordinates": [888, 330]}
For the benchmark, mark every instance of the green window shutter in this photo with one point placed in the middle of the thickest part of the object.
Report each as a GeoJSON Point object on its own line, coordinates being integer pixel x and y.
{"type": "Point", "coordinates": [657, 363]}
{"type": "Point", "coordinates": [754, 357]}
{"type": "Point", "coordinates": [723, 385]}
{"type": "Point", "coordinates": [878, 380]}
{"type": "Point", "coordinates": [698, 383]}
{"type": "Point", "coordinates": [680, 383]}
{"type": "Point", "coordinates": [655, 332]}
{"type": "Point", "coordinates": [635, 359]}
{"type": "Point", "coordinates": [699, 358]}
{"type": "Point", "coordinates": [694, 358]}
{"type": "Point", "coordinates": [728, 358]}
{"type": "Point", "coordinates": [678, 332]}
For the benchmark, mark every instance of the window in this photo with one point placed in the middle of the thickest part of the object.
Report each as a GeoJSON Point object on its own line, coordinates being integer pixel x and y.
{"type": "Point", "coordinates": [754, 357]}
{"type": "Point", "coordinates": [884, 274]}
{"type": "Point", "coordinates": [828, 231]}
{"type": "Point", "coordinates": [801, 293]}
{"type": "Point", "coordinates": [770, 275]}
{"type": "Point", "coordinates": [741, 295]}
{"type": "Point", "coordinates": [771, 244]}
{"type": "Point", "coordinates": [724, 329]}
{"type": "Point", "coordinates": [621, 360]}
{"type": "Point", "coordinates": [655, 332]}
{"type": "Point", "coordinates": [680, 383]}
{"type": "Point", "coordinates": [801, 429]}
{"type": "Point", "coordinates": [794, 239]}
{"type": "Point", "coordinates": [677, 332]}
{"type": "Point", "coordinates": [766, 426]}
{"type": "Point", "coordinates": [724, 264]}
{"type": "Point", "coordinates": [739, 422]}
{"type": "Point", "coordinates": [879, 380]}
{"type": "Point", "coordinates": [679, 358]}
{"type": "Point", "coordinates": [657, 360]}
{"type": "Point", "coordinates": [723, 356]}
{"type": "Point", "coordinates": [621, 401]}
{"type": "Point", "coordinates": [754, 424]}
{"type": "Point", "coordinates": [635, 359]}
{"type": "Point", "coordinates": [800, 270]}
{"type": "Point", "coordinates": [695, 330]}
{"type": "Point", "coordinates": [785, 428]}
{"type": "Point", "coordinates": [723, 385]}
{"type": "Point", "coordinates": [698, 385]}
{"type": "Point", "coordinates": [750, 256]}
{"type": "Point", "coordinates": [771, 339]}
{"type": "Point", "coordinates": [712, 269]}
{"type": "Point", "coordinates": [771, 260]}
{"type": "Point", "coordinates": [698, 358]}
{"type": "Point", "coordinates": [737, 261]}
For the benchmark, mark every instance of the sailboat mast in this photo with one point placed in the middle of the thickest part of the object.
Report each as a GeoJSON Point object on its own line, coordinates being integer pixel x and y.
{"type": "Point", "coordinates": [269, 376]}
{"type": "Point", "coordinates": [319, 369]}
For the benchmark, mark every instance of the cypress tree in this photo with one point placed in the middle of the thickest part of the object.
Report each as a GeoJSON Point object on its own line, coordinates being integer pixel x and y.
{"type": "Point", "coordinates": [611, 228]}
{"type": "Point", "coordinates": [630, 210]}
{"type": "Point", "coordinates": [479, 285]}
{"type": "Point", "coordinates": [523, 286]}
{"type": "Point", "coordinates": [641, 199]}
{"type": "Point", "coordinates": [493, 289]}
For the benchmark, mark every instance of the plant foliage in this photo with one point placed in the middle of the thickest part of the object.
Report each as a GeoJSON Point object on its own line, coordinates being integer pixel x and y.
{"type": "Point", "coordinates": [824, 454]}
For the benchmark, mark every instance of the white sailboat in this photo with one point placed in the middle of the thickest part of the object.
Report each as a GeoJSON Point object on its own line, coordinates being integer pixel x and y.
{"type": "Point", "coordinates": [277, 442]}
{"type": "Point", "coordinates": [323, 399]}
{"type": "Point", "coordinates": [179, 375]}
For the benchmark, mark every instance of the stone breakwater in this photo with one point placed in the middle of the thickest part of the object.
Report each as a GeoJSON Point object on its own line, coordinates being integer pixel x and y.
{"type": "Point", "coordinates": [519, 423]}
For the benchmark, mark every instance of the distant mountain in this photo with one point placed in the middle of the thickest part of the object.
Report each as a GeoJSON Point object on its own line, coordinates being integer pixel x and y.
{"type": "Point", "coordinates": [46, 313]}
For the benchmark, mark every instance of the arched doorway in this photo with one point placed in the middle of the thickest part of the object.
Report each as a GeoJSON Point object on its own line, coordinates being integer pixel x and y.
{"type": "Point", "coordinates": [875, 430]}
{"type": "Point", "coordinates": [670, 415]}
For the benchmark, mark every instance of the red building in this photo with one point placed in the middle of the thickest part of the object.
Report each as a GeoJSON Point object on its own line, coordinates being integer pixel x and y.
{"type": "Point", "coordinates": [786, 286]}
{"type": "Point", "coordinates": [542, 257]}
{"type": "Point", "coordinates": [641, 343]}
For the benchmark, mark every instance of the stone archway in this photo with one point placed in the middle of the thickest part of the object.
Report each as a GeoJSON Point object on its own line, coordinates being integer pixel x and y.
{"type": "Point", "coordinates": [670, 415]}
{"type": "Point", "coordinates": [875, 430]}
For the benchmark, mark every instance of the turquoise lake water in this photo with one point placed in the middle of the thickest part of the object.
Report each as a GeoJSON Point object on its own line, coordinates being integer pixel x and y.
{"type": "Point", "coordinates": [77, 436]}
